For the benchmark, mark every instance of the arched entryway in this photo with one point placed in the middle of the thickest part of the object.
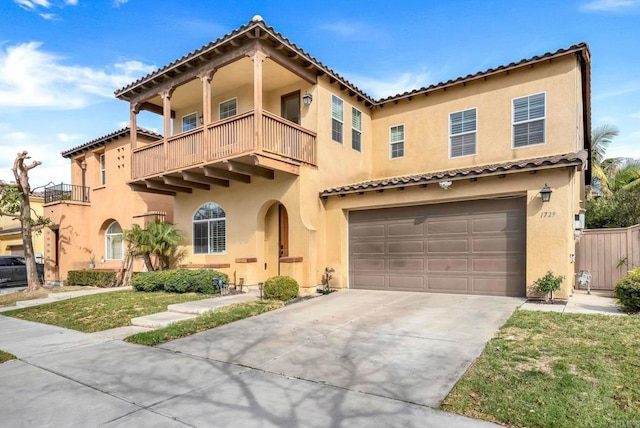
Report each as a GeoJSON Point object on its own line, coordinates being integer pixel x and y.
{"type": "Point", "coordinates": [276, 237]}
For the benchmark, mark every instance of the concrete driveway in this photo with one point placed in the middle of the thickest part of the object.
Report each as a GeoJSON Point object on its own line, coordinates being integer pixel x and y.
{"type": "Point", "coordinates": [411, 347]}
{"type": "Point", "coordinates": [353, 358]}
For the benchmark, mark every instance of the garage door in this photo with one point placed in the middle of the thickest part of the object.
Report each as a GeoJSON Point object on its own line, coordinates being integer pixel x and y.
{"type": "Point", "coordinates": [472, 247]}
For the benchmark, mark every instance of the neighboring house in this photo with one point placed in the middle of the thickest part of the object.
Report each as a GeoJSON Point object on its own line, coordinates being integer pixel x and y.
{"type": "Point", "coordinates": [89, 215]}
{"type": "Point", "coordinates": [11, 231]}
{"type": "Point", "coordinates": [278, 165]}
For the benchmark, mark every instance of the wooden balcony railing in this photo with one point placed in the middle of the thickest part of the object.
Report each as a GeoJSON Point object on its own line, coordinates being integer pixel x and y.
{"type": "Point", "coordinates": [66, 193]}
{"type": "Point", "coordinates": [228, 138]}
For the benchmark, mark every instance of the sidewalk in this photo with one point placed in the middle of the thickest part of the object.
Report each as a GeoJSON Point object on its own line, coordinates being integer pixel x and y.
{"type": "Point", "coordinates": [598, 302]}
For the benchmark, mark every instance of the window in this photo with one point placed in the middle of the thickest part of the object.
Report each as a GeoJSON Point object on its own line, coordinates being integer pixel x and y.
{"type": "Point", "coordinates": [337, 118]}
{"type": "Point", "coordinates": [189, 122]}
{"type": "Point", "coordinates": [356, 129]}
{"type": "Point", "coordinates": [396, 141]}
{"type": "Point", "coordinates": [228, 108]}
{"type": "Point", "coordinates": [209, 229]}
{"type": "Point", "coordinates": [103, 171]}
{"type": "Point", "coordinates": [462, 133]}
{"type": "Point", "coordinates": [528, 120]}
{"type": "Point", "coordinates": [113, 241]}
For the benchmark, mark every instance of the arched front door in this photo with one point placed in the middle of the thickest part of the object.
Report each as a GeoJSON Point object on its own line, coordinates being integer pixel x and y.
{"type": "Point", "coordinates": [276, 238]}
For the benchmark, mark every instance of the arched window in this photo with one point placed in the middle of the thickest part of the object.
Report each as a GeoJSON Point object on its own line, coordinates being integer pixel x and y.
{"type": "Point", "coordinates": [113, 241]}
{"type": "Point", "coordinates": [209, 229]}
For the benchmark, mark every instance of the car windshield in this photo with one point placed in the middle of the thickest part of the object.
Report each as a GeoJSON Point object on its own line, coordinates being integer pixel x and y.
{"type": "Point", "coordinates": [18, 261]}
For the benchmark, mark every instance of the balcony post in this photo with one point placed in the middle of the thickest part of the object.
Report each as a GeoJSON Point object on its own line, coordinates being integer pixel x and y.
{"type": "Point", "coordinates": [258, 57]}
{"type": "Point", "coordinates": [166, 115]}
{"type": "Point", "coordinates": [206, 78]}
{"type": "Point", "coordinates": [133, 135]}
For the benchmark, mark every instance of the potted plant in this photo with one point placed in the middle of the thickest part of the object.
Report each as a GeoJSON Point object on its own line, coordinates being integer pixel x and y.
{"type": "Point", "coordinates": [92, 261]}
{"type": "Point", "coordinates": [548, 284]}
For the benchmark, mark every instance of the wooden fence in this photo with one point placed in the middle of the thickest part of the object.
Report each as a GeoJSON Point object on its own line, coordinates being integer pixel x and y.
{"type": "Point", "coordinates": [608, 254]}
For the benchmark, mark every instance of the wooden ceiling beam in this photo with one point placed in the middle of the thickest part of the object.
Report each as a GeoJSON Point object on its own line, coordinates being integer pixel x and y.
{"type": "Point", "coordinates": [156, 185]}
{"type": "Point", "coordinates": [155, 109]}
{"type": "Point", "coordinates": [242, 168]}
{"type": "Point", "coordinates": [226, 174]}
{"type": "Point", "coordinates": [179, 182]}
{"type": "Point", "coordinates": [194, 177]}
{"type": "Point", "coordinates": [139, 187]}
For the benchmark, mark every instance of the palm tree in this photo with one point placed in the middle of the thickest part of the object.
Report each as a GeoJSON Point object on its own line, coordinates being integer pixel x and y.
{"type": "Point", "coordinates": [601, 168]}
{"type": "Point", "coordinates": [139, 244]}
{"type": "Point", "coordinates": [164, 239]}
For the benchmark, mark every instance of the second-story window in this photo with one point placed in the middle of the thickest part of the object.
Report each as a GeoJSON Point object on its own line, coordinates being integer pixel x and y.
{"type": "Point", "coordinates": [528, 120]}
{"type": "Point", "coordinates": [103, 170]}
{"type": "Point", "coordinates": [189, 122]}
{"type": "Point", "coordinates": [462, 133]}
{"type": "Point", "coordinates": [356, 129]}
{"type": "Point", "coordinates": [396, 141]}
{"type": "Point", "coordinates": [337, 119]}
{"type": "Point", "coordinates": [228, 108]}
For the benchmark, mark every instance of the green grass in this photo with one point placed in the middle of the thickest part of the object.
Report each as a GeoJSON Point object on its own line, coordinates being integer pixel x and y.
{"type": "Point", "coordinates": [102, 311]}
{"type": "Point", "coordinates": [563, 370]}
{"type": "Point", "coordinates": [224, 315]}
{"type": "Point", "coordinates": [11, 299]}
{"type": "Point", "coordinates": [5, 356]}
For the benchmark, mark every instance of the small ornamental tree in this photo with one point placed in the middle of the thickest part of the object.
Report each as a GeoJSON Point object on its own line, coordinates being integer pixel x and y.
{"type": "Point", "coordinates": [14, 203]}
{"type": "Point", "coordinates": [548, 284]}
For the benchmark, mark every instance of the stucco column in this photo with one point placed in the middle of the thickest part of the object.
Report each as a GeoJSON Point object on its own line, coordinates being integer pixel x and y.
{"type": "Point", "coordinates": [166, 115]}
{"type": "Point", "coordinates": [133, 135]}
{"type": "Point", "coordinates": [206, 78]}
{"type": "Point", "coordinates": [258, 58]}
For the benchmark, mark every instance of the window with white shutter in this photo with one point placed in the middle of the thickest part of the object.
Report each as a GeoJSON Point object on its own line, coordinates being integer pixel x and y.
{"type": "Point", "coordinates": [528, 120]}
{"type": "Point", "coordinates": [463, 126]}
{"type": "Point", "coordinates": [337, 119]}
{"type": "Point", "coordinates": [396, 141]}
{"type": "Point", "coordinates": [356, 129]}
{"type": "Point", "coordinates": [209, 229]}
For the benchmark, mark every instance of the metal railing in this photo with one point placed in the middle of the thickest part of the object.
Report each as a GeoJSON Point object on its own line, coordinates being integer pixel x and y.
{"type": "Point", "coordinates": [66, 193]}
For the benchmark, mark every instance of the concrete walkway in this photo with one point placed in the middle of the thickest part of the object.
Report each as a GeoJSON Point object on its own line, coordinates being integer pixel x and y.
{"type": "Point", "coordinates": [598, 302]}
{"type": "Point", "coordinates": [71, 379]}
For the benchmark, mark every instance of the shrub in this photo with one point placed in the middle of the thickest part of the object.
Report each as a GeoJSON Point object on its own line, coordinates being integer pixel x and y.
{"type": "Point", "coordinates": [179, 281]}
{"type": "Point", "coordinates": [281, 288]}
{"type": "Point", "coordinates": [548, 283]}
{"type": "Point", "coordinates": [627, 291]}
{"type": "Point", "coordinates": [90, 277]}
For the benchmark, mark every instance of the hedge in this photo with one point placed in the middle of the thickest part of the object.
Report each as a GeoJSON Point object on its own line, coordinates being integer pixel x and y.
{"type": "Point", "coordinates": [89, 277]}
{"type": "Point", "coordinates": [179, 281]}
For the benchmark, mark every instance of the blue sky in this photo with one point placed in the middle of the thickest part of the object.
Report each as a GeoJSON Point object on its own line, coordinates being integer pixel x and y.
{"type": "Point", "coordinates": [61, 60]}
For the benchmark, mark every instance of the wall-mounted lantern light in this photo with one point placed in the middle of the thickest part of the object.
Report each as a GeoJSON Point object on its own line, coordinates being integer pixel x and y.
{"type": "Point", "coordinates": [201, 119]}
{"type": "Point", "coordinates": [307, 98]}
{"type": "Point", "coordinates": [545, 193]}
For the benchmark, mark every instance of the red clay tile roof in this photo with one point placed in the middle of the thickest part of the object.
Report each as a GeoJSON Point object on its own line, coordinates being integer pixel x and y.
{"type": "Point", "coordinates": [570, 159]}
{"type": "Point", "coordinates": [100, 141]}
{"type": "Point", "coordinates": [186, 61]}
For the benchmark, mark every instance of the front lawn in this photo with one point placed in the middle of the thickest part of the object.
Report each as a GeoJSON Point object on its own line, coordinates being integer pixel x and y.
{"type": "Point", "coordinates": [208, 320]}
{"type": "Point", "coordinates": [12, 298]}
{"type": "Point", "coordinates": [103, 311]}
{"type": "Point", "coordinates": [551, 369]}
{"type": "Point", "coordinates": [5, 356]}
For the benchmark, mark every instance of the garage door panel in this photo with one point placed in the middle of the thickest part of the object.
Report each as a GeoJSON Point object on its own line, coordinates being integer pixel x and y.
{"type": "Point", "coordinates": [406, 229]}
{"type": "Point", "coordinates": [497, 265]}
{"type": "Point", "coordinates": [448, 265]}
{"type": "Point", "coordinates": [439, 246]}
{"type": "Point", "coordinates": [473, 247]}
{"type": "Point", "coordinates": [407, 283]}
{"type": "Point", "coordinates": [405, 247]}
{"type": "Point", "coordinates": [368, 264]}
{"type": "Point", "coordinates": [448, 283]}
{"type": "Point", "coordinates": [406, 264]}
{"type": "Point", "coordinates": [374, 247]}
{"type": "Point", "coordinates": [496, 244]}
{"type": "Point", "coordinates": [447, 226]}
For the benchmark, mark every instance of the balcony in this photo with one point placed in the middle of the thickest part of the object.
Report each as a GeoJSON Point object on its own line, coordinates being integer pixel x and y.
{"type": "Point", "coordinates": [228, 149]}
{"type": "Point", "coordinates": [66, 193]}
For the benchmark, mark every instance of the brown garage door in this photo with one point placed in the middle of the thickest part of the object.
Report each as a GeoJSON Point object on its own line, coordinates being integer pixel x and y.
{"type": "Point", "coordinates": [473, 247]}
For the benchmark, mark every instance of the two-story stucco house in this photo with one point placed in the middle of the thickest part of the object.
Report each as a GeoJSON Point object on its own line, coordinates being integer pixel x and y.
{"type": "Point", "coordinates": [88, 217]}
{"type": "Point", "coordinates": [278, 165]}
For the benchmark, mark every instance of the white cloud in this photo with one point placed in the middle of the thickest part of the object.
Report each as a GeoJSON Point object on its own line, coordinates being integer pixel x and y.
{"type": "Point", "coordinates": [67, 138]}
{"type": "Point", "coordinates": [31, 77]}
{"type": "Point", "coordinates": [39, 6]}
{"type": "Point", "coordinates": [621, 89]}
{"type": "Point", "coordinates": [14, 137]}
{"type": "Point", "coordinates": [609, 5]}
{"type": "Point", "coordinates": [32, 4]}
{"type": "Point", "coordinates": [53, 165]}
{"type": "Point", "coordinates": [118, 3]}
{"type": "Point", "coordinates": [635, 115]}
{"type": "Point", "coordinates": [393, 85]}
{"type": "Point", "coordinates": [50, 16]}
{"type": "Point", "coordinates": [71, 2]}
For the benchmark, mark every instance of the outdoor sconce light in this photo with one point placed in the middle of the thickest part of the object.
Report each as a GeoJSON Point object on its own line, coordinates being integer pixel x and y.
{"type": "Point", "coordinates": [201, 119]}
{"type": "Point", "coordinates": [545, 193]}
{"type": "Point", "coordinates": [307, 98]}
{"type": "Point", "coordinates": [445, 185]}
{"type": "Point", "coordinates": [83, 165]}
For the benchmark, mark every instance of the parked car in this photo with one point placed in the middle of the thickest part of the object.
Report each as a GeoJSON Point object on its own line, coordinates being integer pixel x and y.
{"type": "Point", "coordinates": [13, 271]}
